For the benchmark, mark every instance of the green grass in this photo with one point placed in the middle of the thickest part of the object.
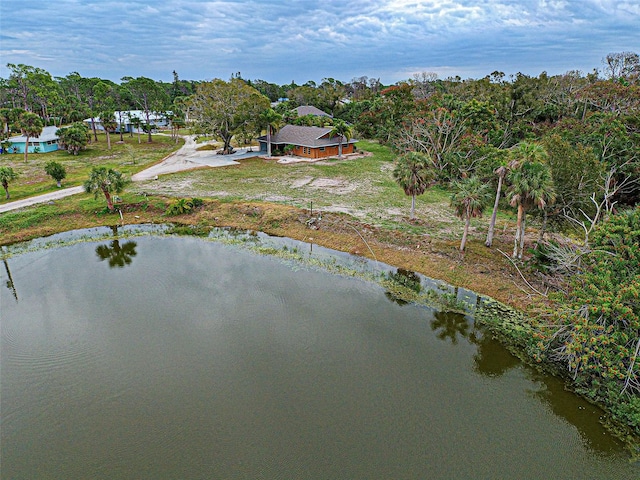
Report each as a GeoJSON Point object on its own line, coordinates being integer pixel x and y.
{"type": "Point", "coordinates": [128, 158]}
{"type": "Point", "coordinates": [363, 187]}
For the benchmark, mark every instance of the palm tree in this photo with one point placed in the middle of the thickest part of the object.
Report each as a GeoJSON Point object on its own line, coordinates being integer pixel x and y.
{"type": "Point", "coordinates": [137, 124]}
{"type": "Point", "coordinates": [469, 201]}
{"type": "Point", "coordinates": [413, 173]}
{"type": "Point", "coordinates": [501, 172]}
{"type": "Point", "coordinates": [30, 125]}
{"type": "Point", "coordinates": [273, 120]}
{"type": "Point", "coordinates": [342, 130]}
{"type": "Point", "coordinates": [531, 185]}
{"type": "Point", "coordinates": [105, 181]}
{"type": "Point", "coordinates": [7, 175]}
{"type": "Point", "coordinates": [522, 152]}
{"type": "Point", "coordinates": [108, 121]}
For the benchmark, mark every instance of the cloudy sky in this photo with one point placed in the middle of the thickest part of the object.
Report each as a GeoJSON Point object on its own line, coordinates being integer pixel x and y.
{"type": "Point", "coordinates": [284, 40]}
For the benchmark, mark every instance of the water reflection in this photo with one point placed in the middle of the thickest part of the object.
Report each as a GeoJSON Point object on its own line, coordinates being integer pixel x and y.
{"type": "Point", "coordinates": [117, 255]}
{"type": "Point", "coordinates": [310, 373]}
{"type": "Point", "coordinates": [449, 325]}
{"type": "Point", "coordinates": [406, 279]}
{"type": "Point", "coordinates": [10, 285]}
{"type": "Point", "coordinates": [491, 358]}
{"type": "Point", "coordinates": [576, 411]}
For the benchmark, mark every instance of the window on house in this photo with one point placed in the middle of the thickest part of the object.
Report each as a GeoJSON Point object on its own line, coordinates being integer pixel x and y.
{"type": "Point", "coordinates": [321, 149]}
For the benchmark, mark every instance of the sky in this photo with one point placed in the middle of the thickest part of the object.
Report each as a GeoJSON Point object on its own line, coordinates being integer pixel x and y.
{"type": "Point", "coordinates": [302, 40]}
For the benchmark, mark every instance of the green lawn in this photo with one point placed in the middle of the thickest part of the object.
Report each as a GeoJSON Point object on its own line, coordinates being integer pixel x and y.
{"type": "Point", "coordinates": [128, 158]}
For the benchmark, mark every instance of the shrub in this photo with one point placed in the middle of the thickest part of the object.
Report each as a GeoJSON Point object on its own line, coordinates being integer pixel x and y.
{"type": "Point", "coordinates": [183, 205]}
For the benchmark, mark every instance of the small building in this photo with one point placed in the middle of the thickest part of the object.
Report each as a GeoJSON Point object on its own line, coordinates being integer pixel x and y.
{"type": "Point", "coordinates": [127, 119]}
{"type": "Point", "coordinates": [309, 142]}
{"type": "Point", "coordinates": [47, 141]}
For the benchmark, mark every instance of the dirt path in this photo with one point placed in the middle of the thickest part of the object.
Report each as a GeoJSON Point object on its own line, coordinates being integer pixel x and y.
{"type": "Point", "coordinates": [47, 197]}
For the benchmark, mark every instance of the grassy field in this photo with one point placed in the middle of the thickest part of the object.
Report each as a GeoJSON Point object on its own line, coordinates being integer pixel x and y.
{"type": "Point", "coordinates": [361, 187]}
{"type": "Point", "coordinates": [128, 157]}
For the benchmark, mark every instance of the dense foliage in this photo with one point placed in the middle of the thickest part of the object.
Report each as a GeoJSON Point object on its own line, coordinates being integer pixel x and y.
{"type": "Point", "coordinates": [595, 335]}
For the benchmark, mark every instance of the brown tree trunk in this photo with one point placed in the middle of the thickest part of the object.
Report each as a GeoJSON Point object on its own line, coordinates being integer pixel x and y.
{"type": "Point", "coordinates": [516, 240]}
{"type": "Point", "coordinates": [522, 230]}
{"type": "Point", "coordinates": [107, 195]}
{"type": "Point", "coordinates": [467, 223]}
{"type": "Point", "coordinates": [26, 149]}
{"type": "Point", "coordinates": [494, 215]}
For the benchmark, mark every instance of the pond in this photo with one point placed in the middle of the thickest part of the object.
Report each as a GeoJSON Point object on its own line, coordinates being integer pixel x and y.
{"type": "Point", "coordinates": [180, 357]}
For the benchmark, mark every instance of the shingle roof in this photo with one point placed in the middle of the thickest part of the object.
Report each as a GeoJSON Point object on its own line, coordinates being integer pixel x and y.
{"type": "Point", "coordinates": [48, 134]}
{"type": "Point", "coordinates": [306, 136]}
{"type": "Point", "coordinates": [311, 110]}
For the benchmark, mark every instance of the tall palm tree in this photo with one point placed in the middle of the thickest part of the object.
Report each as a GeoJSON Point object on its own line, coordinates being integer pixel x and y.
{"type": "Point", "coordinates": [342, 130]}
{"type": "Point", "coordinates": [413, 173]}
{"type": "Point", "coordinates": [522, 152]}
{"type": "Point", "coordinates": [30, 125]}
{"type": "Point", "coordinates": [469, 201]}
{"type": "Point", "coordinates": [109, 123]}
{"type": "Point", "coordinates": [531, 185]}
{"type": "Point", "coordinates": [273, 120]}
{"type": "Point", "coordinates": [7, 174]}
{"type": "Point", "coordinates": [105, 181]}
{"type": "Point", "coordinates": [137, 124]}
{"type": "Point", "coordinates": [501, 172]}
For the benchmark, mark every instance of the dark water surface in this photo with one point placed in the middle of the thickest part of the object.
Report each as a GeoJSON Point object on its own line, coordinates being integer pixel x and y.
{"type": "Point", "coordinates": [180, 358]}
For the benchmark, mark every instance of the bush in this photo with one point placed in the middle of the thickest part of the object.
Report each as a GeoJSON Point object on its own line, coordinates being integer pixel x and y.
{"type": "Point", "coordinates": [183, 205]}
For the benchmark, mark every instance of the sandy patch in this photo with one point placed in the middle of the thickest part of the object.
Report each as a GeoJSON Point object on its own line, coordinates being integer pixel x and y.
{"type": "Point", "coordinates": [301, 182]}
{"type": "Point", "coordinates": [336, 186]}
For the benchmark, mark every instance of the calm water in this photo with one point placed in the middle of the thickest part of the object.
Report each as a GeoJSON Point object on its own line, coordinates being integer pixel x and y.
{"type": "Point", "coordinates": [180, 358]}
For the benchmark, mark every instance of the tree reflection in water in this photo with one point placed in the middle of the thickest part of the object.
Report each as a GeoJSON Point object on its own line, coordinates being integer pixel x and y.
{"type": "Point", "coordinates": [449, 325]}
{"type": "Point", "coordinates": [406, 279]}
{"type": "Point", "coordinates": [10, 285]}
{"type": "Point", "coordinates": [117, 255]}
{"type": "Point", "coordinates": [492, 359]}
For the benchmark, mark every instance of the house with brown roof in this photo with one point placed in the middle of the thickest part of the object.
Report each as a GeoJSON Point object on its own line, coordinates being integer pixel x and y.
{"type": "Point", "coordinates": [309, 142]}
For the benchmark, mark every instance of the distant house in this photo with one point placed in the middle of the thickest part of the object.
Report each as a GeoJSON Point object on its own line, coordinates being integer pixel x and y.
{"type": "Point", "coordinates": [126, 120]}
{"type": "Point", "coordinates": [46, 142]}
{"type": "Point", "coordinates": [311, 110]}
{"type": "Point", "coordinates": [310, 142]}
